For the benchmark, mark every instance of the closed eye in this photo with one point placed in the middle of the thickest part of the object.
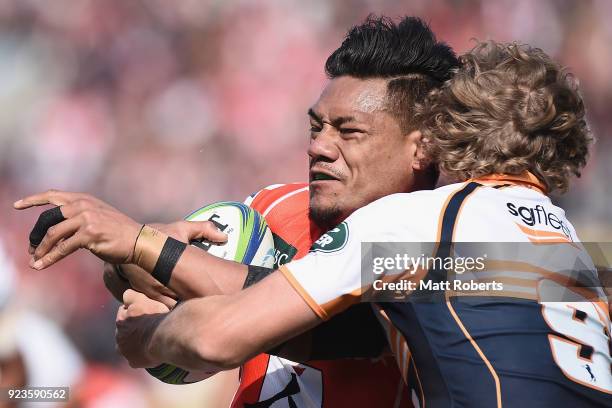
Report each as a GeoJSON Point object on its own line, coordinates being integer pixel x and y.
{"type": "Point", "coordinates": [350, 130]}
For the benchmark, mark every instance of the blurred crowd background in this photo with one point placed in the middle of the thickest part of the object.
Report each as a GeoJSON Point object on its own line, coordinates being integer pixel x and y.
{"type": "Point", "coordinates": [160, 107]}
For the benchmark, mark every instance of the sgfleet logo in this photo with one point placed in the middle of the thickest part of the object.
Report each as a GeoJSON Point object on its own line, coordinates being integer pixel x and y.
{"type": "Point", "coordinates": [538, 215]}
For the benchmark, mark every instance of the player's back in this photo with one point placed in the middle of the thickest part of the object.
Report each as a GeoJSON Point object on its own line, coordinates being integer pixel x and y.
{"type": "Point", "coordinates": [530, 328]}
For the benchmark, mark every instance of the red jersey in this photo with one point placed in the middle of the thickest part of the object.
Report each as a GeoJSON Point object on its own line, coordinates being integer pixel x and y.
{"type": "Point", "coordinates": [266, 380]}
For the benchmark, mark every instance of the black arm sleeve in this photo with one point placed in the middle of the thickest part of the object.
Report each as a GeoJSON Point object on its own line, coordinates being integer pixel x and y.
{"type": "Point", "coordinates": [255, 274]}
{"type": "Point", "coordinates": [354, 333]}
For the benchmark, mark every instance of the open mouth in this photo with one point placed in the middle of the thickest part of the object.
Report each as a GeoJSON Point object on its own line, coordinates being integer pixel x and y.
{"type": "Point", "coordinates": [315, 176]}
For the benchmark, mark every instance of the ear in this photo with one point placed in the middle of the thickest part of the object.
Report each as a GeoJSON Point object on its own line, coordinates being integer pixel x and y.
{"type": "Point", "coordinates": [419, 160]}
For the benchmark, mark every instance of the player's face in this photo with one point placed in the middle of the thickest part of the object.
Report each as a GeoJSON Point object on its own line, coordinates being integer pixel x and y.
{"type": "Point", "coordinates": [358, 152]}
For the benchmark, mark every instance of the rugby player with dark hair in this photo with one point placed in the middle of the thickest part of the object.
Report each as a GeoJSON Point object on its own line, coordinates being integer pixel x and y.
{"type": "Point", "coordinates": [510, 128]}
{"type": "Point", "coordinates": [362, 129]}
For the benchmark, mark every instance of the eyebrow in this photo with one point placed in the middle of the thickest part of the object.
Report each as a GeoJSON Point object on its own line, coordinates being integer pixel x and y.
{"type": "Point", "coordinates": [336, 122]}
{"type": "Point", "coordinates": [313, 115]}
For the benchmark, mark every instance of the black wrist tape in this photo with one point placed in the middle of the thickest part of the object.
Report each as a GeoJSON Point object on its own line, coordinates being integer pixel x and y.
{"type": "Point", "coordinates": [255, 274]}
{"type": "Point", "coordinates": [46, 220]}
{"type": "Point", "coordinates": [169, 256]}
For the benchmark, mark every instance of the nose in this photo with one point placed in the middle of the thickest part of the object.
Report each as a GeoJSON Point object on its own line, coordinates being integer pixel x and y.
{"type": "Point", "coordinates": [323, 146]}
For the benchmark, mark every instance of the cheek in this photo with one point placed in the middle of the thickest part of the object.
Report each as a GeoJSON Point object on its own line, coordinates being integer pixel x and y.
{"type": "Point", "coordinates": [393, 155]}
{"type": "Point", "coordinates": [375, 162]}
{"type": "Point", "coordinates": [381, 170]}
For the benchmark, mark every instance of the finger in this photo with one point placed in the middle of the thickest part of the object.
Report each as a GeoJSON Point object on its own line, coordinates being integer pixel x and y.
{"type": "Point", "coordinates": [55, 233]}
{"type": "Point", "coordinates": [46, 220]}
{"type": "Point", "coordinates": [48, 197]}
{"type": "Point", "coordinates": [78, 206]}
{"type": "Point", "coordinates": [205, 230]}
{"type": "Point", "coordinates": [141, 281]}
{"type": "Point", "coordinates": [157, 292]}
{"type": "Point", "coordinates": [130, 297]}
{"type": "Point", "coordinates": [121, 314]}
{"type": "Point", "coordinates": [169, 302]}
{"type": "Point", "coordinates": [60, 251]}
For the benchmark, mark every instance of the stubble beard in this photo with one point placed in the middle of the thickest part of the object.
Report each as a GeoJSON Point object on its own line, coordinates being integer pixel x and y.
{"type": "Point", "coordinates": [326, 217]}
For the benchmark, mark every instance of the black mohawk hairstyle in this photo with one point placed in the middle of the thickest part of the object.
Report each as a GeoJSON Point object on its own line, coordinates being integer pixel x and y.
{"type": "Point", "coordinates": [381, 48]}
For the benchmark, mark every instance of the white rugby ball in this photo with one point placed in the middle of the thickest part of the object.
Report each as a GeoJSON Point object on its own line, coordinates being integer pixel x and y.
{"type": "Point", "coordinates": [249, 241]}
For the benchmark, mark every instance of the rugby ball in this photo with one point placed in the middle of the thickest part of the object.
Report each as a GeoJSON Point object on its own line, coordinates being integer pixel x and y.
{"type": "Point", "coordinates": [249, 241]}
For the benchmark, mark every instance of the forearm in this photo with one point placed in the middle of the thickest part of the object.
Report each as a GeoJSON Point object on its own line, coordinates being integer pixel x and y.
{"type": "Point", "coordinates": [196, 273]}
{"type": "Point", "coordinates": [199, 274]}
{"type": "Point", "coordinates": [180, 338]}
{"type": "Point", "coordinates": [221, 332]}
{"type": "Point", "coordinates": [200, 335]}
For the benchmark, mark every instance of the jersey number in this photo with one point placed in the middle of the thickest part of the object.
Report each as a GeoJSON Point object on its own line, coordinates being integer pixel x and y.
{"type": "Point", "coordinates": [583, 353]}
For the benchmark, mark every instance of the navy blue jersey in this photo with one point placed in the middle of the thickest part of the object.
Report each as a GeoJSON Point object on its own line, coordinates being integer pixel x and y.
{"type": "Point", "coordinates": [479, 352]}
{"type": "Point", "coordinates": [537, 334]}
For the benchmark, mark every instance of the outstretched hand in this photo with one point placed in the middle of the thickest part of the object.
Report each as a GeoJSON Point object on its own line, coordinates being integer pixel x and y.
{"type": "Point", "coordinates": [87, 223]}
{"type": "Point", "coordinates": [83, 221]}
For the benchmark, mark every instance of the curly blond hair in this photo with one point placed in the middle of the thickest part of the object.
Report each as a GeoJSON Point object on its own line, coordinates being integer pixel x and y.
{"type": "Point", "coordinates": [509, 109]}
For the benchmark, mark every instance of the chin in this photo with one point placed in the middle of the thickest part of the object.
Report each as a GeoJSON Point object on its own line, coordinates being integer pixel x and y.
{"type": "Point", "coordinates": [327, 215]}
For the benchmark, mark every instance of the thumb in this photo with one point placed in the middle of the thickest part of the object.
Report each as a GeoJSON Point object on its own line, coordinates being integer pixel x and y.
{"type": "Point", "coordinates": [131, 296]}
{"type": "Point", "coordinates": [206, 230]}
